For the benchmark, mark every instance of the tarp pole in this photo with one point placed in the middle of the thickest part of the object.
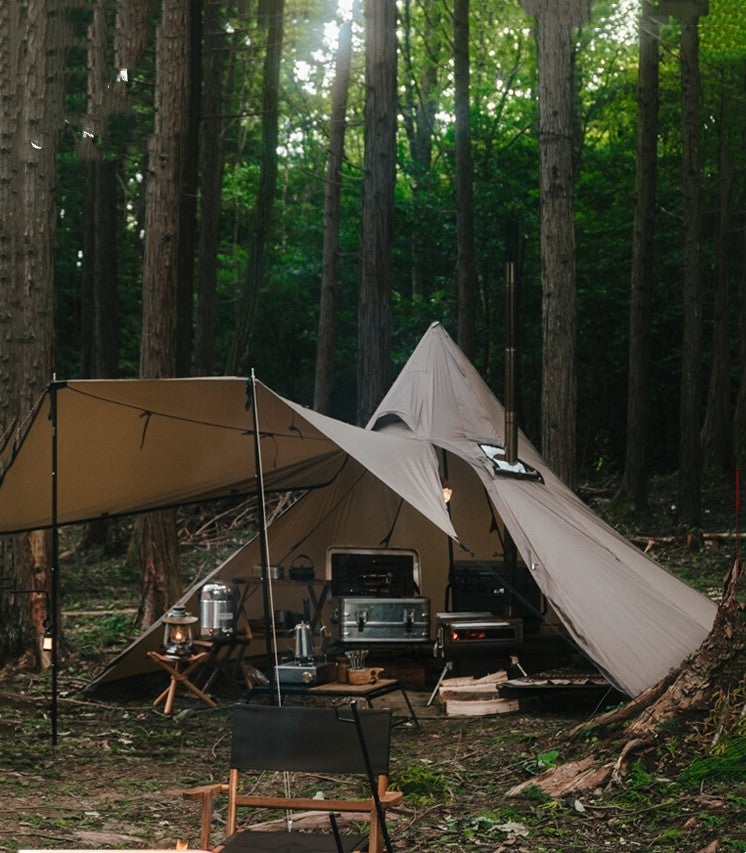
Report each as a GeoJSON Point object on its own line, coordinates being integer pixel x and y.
{"type": "Point", "coordinates": [268, 636]}
{"type": "Point", "coordinates": [55, 557]}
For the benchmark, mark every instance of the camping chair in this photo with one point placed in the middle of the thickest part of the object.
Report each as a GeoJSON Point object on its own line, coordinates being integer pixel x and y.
{"type": "Point", "coordinates": [305, 740]}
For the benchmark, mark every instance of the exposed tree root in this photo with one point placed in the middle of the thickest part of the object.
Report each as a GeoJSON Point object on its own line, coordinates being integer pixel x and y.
{"type": "Point", "coordinates": [686, 693]}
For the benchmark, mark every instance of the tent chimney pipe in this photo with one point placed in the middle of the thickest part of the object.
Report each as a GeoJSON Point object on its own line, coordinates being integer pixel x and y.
{"type": "Point", "coordinates": [511, 427]}
{"type": "Point", "coordinates": [510, 555]}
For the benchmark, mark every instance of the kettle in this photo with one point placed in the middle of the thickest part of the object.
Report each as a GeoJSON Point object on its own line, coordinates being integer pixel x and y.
{"type": "Point", "coordinates": [303, 642]}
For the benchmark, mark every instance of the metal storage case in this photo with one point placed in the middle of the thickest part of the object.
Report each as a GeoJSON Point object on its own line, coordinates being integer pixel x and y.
{"type": "Point", "coordinates": [369, 619]}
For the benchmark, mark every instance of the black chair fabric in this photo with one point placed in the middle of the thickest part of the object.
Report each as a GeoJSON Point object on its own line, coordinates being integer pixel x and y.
{"type": "Point", "coordinates": [311, 740]}
{"type": "Point", "coordinates": [296, 842]}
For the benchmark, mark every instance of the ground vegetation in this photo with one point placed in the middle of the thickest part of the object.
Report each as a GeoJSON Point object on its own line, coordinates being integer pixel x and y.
{"type": "Point", "coordinates": [114, 778]}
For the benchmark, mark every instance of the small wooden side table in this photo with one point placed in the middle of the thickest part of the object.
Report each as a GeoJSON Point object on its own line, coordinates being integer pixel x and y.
{"type": "Point", "coordinates": [179, 668]}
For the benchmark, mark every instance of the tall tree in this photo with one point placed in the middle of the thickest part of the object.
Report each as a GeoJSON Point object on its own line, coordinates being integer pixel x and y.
{"type": "Point", "coordinates": [717, 432]}
{"type": "Point", "coordinates": [188, 196]}
{"type": "Point", "coordinates": [423, 62]}
{"type": "Point", "coordinates": [374, 304]}
{"type": "Point", "coordinates": [466, 269]}
{"type": "Point", "coordinates": [332, 200]}
{"type": "Point", "coordinates": [156, 532]}
{"type": "Point", "coordinates": [634, 479]}
{"type": "Point", "coordinates": [34, 40]}
{"type": "Point", "coordinates": [210, 183]}
{"type": "Point", "coordinates": [554, 27]}
{"type": "Point", "coordinates": [271, 15]}
{"type": "Point", "coordinates": [99, 314]}
{"type": "Point", "coordinates": [690, 451]}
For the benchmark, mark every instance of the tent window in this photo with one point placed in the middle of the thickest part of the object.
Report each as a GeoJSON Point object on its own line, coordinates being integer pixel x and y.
{"type": "Point", "coordinates": [501, 467]}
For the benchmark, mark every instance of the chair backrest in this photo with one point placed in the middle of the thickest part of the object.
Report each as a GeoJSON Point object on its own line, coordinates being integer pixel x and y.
{"type": "Point", "coordinates": [315, 740]}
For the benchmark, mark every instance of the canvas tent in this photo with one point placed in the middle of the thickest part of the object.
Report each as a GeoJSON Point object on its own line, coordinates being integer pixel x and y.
{"type": "Point", "coordinates": [369, 488]}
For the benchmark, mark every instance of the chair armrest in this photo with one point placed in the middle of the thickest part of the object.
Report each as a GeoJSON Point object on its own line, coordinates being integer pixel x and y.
{"type": "Point", "coordinates": [391, 798]}
{"type": "Point", "coordinates": [203, 791]}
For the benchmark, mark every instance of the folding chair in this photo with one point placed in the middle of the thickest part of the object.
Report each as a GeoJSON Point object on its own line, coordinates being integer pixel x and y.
{"type": "Point", "coordinates": [304, 740]}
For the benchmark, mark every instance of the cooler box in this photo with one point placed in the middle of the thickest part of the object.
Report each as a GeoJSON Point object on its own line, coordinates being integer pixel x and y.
{"type": "Point", "coordinates": [366, 619]}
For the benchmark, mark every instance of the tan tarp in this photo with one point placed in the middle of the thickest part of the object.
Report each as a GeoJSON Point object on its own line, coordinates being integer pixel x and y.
{"type": "Point", "coordinates": [631, 617]}
{"type": "Point", "coordinates": [131, 445]}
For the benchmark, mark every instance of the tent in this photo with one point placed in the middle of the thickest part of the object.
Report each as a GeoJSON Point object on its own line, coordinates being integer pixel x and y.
{"type": "Point", "coordinates": [378, 487]}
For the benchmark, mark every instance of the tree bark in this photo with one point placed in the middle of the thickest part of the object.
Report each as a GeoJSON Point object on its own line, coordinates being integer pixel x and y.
{"type": "Point", "coordinates": [554, 23]}
{"type": "Point", "coordinates": [634, 485]}
{"type": "Point", "coordinates": [690, 455]}
{"type": "Point", "coordinates": [272, 14]}
{"type": "Point", "coordinates": [211, 180]}
{"type": "Point", "coordinates": [717, 431]}
{"type": "Point", "coordinates": [33, 43]}
{"type": "Point", "coordinates": [420, 104]}
{"type": "Point", "coordinates": [188, 196]}
{"type": "Point", "coordinates": [684, 696]}
{"type": "Point", "coordinates": [156, 532]}
{"type": "Point", "coordinates": [466, 271]}
{"type": "Point", "coordinates": [374, 305]}
{"type": "Point", "coordinates": [322, 392]}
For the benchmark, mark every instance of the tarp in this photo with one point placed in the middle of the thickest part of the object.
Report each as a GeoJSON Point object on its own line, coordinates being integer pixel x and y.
{"type": "Point", "coordinates": [172, 441]}
{"type": "Point", "coordinates": [133, 445]}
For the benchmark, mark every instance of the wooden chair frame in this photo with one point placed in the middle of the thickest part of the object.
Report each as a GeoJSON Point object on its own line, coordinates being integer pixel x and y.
{"type": "Point", "coordinates": [312, 740]}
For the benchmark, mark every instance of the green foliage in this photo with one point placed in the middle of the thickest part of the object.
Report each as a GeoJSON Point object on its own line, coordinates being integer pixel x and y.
{"type": "Point", "coordinates": [420, 783]}
{"type": "Point", "coordinates": [727, 765]}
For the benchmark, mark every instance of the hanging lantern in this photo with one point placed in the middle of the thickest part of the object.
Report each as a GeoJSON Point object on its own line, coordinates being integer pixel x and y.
{"type": "Point", "coordinates": [177, 632]}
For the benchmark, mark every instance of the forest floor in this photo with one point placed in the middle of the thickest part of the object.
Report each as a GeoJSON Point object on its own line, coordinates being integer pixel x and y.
{"type": "Point", "coordinates": [114, 778]}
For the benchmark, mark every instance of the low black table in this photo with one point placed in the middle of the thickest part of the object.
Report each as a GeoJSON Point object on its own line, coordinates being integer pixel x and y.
{"type": "Point", "coordinates": [332, 689]}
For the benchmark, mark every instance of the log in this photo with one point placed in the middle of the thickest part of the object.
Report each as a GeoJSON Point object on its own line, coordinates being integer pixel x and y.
{"type": "Point", "coordinates": [479, 707]}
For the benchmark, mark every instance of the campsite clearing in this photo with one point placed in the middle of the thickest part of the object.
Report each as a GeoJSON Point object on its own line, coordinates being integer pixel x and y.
{"type": "Point", "coordinates": [114, 779]}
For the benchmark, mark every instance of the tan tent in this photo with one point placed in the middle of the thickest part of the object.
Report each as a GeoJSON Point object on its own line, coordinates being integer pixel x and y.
{"type": "Point", "coordinates": [378, 487]}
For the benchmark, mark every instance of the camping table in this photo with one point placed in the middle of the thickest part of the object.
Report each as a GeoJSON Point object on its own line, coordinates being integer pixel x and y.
{"type": "Point", "coordinates": [179, 668]}
{"type": "Point", "coordinates": [333, 689]}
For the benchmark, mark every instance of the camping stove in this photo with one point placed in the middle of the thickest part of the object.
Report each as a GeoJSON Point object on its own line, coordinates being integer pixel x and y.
{"type": "Point", "coordinates": [305, 673]}
{"type": "Point", "coordinates": [474, 632]}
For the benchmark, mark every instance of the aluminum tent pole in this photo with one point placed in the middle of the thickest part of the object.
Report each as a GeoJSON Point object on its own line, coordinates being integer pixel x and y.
{"type": "Point", "coordinates": [54, 575]}
{"type": "Point", "coordinates": [266, 597]}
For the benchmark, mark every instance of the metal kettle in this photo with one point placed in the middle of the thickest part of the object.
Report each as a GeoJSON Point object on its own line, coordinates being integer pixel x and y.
{"type": "Point", "coordinates": [303, 642]}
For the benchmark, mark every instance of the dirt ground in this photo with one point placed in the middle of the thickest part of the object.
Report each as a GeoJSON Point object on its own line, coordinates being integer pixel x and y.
{"type": "Point", "coordinates": [113, 780]}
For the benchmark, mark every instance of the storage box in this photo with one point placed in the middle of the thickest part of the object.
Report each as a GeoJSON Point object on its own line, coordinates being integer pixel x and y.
{"type": "Point", "coordinates": [368, 619]}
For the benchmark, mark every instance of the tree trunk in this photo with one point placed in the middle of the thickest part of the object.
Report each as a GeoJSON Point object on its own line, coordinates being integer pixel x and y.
{"type": "Point", "coordinates": [322, 392]}
{"type": "Point", "coordinates": [634, 481]}
{"type": "Point", "coordinates": [272, 14]}
{"type": "Point", "coordinates": [374, 306]}
{"type": "Point", "coordinates": [211, 180]}
{"type": "Point", "coordinates": [717, 432]}
{"type": "Point", "coordinates": [684, 697]}
{"type": "Point", "coordinates": [157, 543]}
{"type": "Point", "coordinates": [466, 272]}
{"type": "Point", "coordinates": [690, 456]}
{"type": "Point", "coordinates": [188, 196]}
{"type": "Point", "coordinates": [554, 43]}
{"type": "Point", "coordinates": [421, 96]}
{"type": "Point", "coordinates": [33, 44]}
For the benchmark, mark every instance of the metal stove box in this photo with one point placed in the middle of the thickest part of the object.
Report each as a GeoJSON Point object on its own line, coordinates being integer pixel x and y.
{"type": "Point", "coordinates": [308, 674]}
{"type": "Point", "coordinates": [370, 619]}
